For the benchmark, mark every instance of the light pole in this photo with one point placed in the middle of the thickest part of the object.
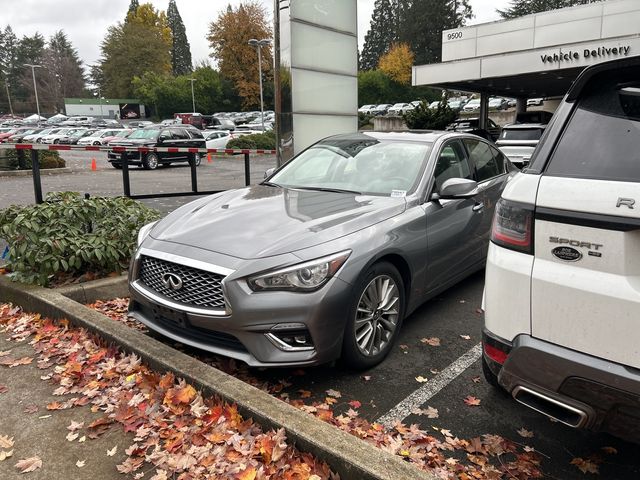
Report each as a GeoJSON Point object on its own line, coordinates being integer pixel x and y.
{"type": "Point", "coordinates": [258, 44]}
{"type": "Point", "coordinates": [35, 88]}
{"type": "Point", "coordinates": [100, 97]}
{"type": "Point", "coordinates": [6, 84]}
{"type": "Point", "coordinates": [193, 98]}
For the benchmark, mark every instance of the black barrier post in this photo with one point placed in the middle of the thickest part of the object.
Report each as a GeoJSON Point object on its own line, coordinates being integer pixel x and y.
{"type": "Point", "coordinates": [247, 170]}
{"type": "Point", "coordinates": [35, 168]}
{"type": "Point", "coordinates": [125, 174]}
{"type": "Point", "coordinates": [194, 174]}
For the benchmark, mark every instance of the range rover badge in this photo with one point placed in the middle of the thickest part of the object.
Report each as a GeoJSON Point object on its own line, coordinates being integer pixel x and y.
{"type": "Point", "coordinates": [567, 254]}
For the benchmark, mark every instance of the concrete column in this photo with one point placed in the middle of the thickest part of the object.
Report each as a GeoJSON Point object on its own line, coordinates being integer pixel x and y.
{"type": "Point", "coordinates": [521, 105]}
{"type": "Point", "coordinates": [484, 110]}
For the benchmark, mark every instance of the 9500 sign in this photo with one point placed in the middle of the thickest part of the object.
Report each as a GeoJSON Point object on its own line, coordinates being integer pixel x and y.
{"type": "Point", "coordinates": [454, 36]}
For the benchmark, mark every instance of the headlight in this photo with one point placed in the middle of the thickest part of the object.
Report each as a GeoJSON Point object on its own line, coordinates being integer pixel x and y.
{"type": "Point", "coordinates": [304, 277]}
{"type": "Point", "coordinates": [144, 231]}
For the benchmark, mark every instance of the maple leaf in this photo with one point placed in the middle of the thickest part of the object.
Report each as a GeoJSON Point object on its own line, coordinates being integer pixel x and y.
{"type": "Point", "coordinates": [3, 388]}
{"type": "Point", "coordinates": [5, 441]}
{"type": "Point", "coordinates": [112, 452]}
{"type": "Point", "coordinates": [472, 401]}
{"type": "Point", "coordinates": [585, 466]}
{"type": "Point", "coordinates": [247, 474]}
{"type": "Point", "coordinates": [75, 426]}
{"type": "Point", "coordinates": [10, 362]}
{"type": "Point", "coordinates": [421, 379]}
{"type": "Point", "coordinates": [330, 401]}
{"type": "Point", "coordinates": [27, 465]}
{"type": "Point", "coordinates": [355, 403]}
{"type": "Point", "coordinates": [404, 347]}
{"type": "Point", "coordinates": [523, 432]}
{"type": "Point", "coordinates": [334, 393]}
{"type": "Point", "coordinates": [4, 455]}
{"type": "Point", "coordinates": [433, 341]}
{"type": "Point", "coordinates": [475, 379]}
{"type": "Point", "coordinates": [80, 463]}
{"type": "Point", "coordinates": [429, 412]}
{"type": "Point", "coordinates": [609, 450]}
{"type": "Point", "coordinates": [304, 393]}
{"type": "Point", "coordinates": [180, 395]}
{"type": "Point", "coordinates": [465, 337]}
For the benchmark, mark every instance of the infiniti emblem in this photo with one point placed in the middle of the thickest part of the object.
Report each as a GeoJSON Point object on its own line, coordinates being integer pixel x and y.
{"type": "Point", "coordinates": [172, 281]}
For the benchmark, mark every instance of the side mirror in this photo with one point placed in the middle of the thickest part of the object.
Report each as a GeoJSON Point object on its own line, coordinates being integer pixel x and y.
{"type": "Point", "coordinates": [457, 188]}
{"type": "Point", "coordinates": [269, 172]}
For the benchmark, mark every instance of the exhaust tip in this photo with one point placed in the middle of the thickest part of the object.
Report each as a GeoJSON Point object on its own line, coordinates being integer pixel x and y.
{"type": "Point", "coordinates": [560, 411]}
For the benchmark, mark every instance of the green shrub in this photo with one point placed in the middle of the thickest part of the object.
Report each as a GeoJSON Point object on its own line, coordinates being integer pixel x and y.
{"type": "Point", "coordinates": [260, 141]}
{"type": "Point", "coordinates": [364, 120]}
{"type": "Point", "coordinates": [48, 159]}
{"type": "Point", "coordinates": [70, 236]}
{"type": "Point", "coordinates": [424, 118]}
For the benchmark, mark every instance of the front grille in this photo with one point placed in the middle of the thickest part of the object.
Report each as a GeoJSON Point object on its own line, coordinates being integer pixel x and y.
{"type": "Point", "coordinates": [199, 288]}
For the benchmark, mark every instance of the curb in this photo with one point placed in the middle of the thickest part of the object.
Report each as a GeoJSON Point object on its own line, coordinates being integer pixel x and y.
{"type": "Point", "coordinates": [28, 173]}
{"type": "Point", "coordinates": [103, 289]}
{"type": "Point", "coordinates": [347, 455]}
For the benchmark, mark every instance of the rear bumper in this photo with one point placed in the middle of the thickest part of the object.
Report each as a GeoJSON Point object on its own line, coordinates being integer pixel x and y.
{"type": "Point", "coordinates": [607, 393]}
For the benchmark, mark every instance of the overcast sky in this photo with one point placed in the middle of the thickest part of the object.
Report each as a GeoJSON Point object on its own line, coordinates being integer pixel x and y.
{"type": "Point", "coordinates": [86, 21]}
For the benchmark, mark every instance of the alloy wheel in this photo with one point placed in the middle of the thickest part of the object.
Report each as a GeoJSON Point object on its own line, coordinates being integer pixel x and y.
{"type": "Point", "coordinates": [377, 315]}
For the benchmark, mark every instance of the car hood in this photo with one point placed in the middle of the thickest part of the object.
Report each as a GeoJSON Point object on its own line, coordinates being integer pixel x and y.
{"type": "Point", "coordinates": [261, 221]}
{"type": "Point", "coordinates": [133, 142]}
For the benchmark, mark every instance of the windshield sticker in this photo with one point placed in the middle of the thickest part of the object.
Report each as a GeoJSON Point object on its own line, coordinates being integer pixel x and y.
{"type": "Point", "coordinates": [398, 193]}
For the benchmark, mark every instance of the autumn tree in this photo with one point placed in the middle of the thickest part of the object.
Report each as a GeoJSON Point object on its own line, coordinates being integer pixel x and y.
{"type": "Point", "coordinates": [397, 63]}
{"type": "Point", "coordinates": [382, 33]}
{"type": "Point", "coordinates": [518, 8]}
{"type": "Point", "coordinates": [141, 44]}
{"type": "Point", "coordinates": [180, 49]}
{"type": "Point", "coordinates": [133, 7]}
{"type": "Point", "coordinates": [228, 37]}
{"type": "Point", "coordinates": [421, 24]}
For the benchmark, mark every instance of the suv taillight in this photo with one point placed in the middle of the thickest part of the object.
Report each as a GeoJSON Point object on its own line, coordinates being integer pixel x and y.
{"type": "Point", "coordinates": [513, 226]}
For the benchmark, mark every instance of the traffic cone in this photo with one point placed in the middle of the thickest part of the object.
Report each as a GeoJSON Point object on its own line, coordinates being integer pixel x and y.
{"type": "Point", "coordinates": [209, 157]}
{"type": "Point", "coordinates": [94, 165]}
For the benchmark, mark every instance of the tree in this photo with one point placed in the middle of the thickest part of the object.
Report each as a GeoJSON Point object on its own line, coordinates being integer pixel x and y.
{"type": "Point", "coordinates": [382, 33]}
{"type": "Point", "coordinates": [141, 44]}
{"type": "Point", "coordinates": [8, 47]}
{"type": "Point", "coordinates": [228, 37]}
{"type": "Point", "coordinates": [180, 49]}
{"type": "Point", "coordinates": [133, 8]}
{"type": "Point", "coordinates": [518, 8]}
{"type": "Point", "coordinates": [28, 50]}
{"type": "Point", "coordinates": [397, 63]}
{"type": "Point", "coordinates": [424, 118]}
{"type": "Point", "coordinates": [422, 21]}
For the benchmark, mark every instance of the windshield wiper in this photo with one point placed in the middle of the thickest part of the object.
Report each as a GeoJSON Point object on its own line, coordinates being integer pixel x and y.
{"type": "Point", "coordinates": [271, 184]}
{"type": "Point", "coordinates": [325, 189]}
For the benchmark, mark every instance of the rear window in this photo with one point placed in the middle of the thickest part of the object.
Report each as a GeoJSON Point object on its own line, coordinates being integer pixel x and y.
{"type": "Point", "coordinates": [602, 139]}
{"type": "Point", "coordinates": [521, 134]}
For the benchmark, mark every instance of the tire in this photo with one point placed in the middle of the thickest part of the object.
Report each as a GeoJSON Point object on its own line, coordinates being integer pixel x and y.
{"type": "Point", "coordinates": [96, 143]}
{"type": "Point", "coordinates": [367, 342]}
{"type": "Point", "coordinates": [56, 141]}
{"type": "Point", "coordinates": [197, 158]}
{"type": "Point", "coordinates": [117, 166]}
{"type": "Point", "coordinates": [150, 162]}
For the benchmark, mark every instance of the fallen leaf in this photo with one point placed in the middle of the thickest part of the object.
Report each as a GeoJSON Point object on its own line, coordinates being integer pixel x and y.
{"type": "Point", "coordinates": [355, 403]}
{"type": "Point", "coordinates": [75, 426]}
{"type": "Point", "coordinates": [112, 452]}
{"type": "Point", "coordinates": [82, 439]}
{"type": "Point", "coordinates": [3, 388]}
{"type": "Point", "coordinates": [247, 474]}
{"type": "Point", "coordinates": [529, 449]}
{"type": "Point", "coordinates": [585, 466]}
{"type": "Point", "coordinates": [304, 393]}
{"type": "Point", "coordinates": [32, 408]}
{"type": "Point", "coordinates": [404, 347]}
{"type": "Point", "coordinates": [609, 450]}
{"type": "Point", "coordinates": [523, 432]}
{"type": "Point", "coordinates": [4, 353]}
{"type": "Point", "coordinates": [330, 401]}
{"type": "Point", "coordinates": [434, 371]}
{"type": "Point", "coordinates": [433, 341]}
{"type": "Point", "coordinates": [472, 401]}
{"type": "Point", "coordinates": [10, 362]}
{"type": "Point", "coordinates": [334, 393]}
{"type": "Point", "coordinates": [465, 337]}
{"type": "Point", "coordinates": [429, 412]}
{"type": "Point", "coordinates": [421, 379]}
{"type": "Point", "coordinates": [4, 455]}
{"type": "Point", "coordinates": [80, 463]}
{"type": "Point", "coordinates": [475, 379]}
{"type": "Point", "coordinates": [71, 436]}
{"type": "Point", "coordinates": [27, 465]}
{"type": "Point", "coordinates": [366, 378]}
{"type": "Point", "coordinates": [5, 441]}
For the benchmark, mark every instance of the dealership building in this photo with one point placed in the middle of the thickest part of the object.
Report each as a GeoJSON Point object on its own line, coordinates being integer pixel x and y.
{"type": "Point", "coordinates": [121, 108]}
{"type": "Point", "coordinates": [537, 55]}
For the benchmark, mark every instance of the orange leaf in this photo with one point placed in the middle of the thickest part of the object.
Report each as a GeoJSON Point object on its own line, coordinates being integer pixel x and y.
{"type": "Point", "coordinates": [472, 401]}
{"type": "Point", "coordinates": [247, 474]}
{"type": "Point", "coordinates": [182, 395]}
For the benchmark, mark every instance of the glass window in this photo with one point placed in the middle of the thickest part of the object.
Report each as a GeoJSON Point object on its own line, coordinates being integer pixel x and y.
{"type": "Point", "coordinates": [602, 139]}
{"type": "Point", "coordinates": [451, 163]}
{"type": "Point", "coordinates": [180, 134]}
{"type": "Point", "coordinates": [501, 160]}
{"type": "Point", "coordinates": [521, 134]}
{"type": "Point", "coordinates": [482, 158]}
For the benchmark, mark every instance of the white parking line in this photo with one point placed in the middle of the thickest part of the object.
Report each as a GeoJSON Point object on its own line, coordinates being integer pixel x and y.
{"type": "Point", "coordinates": [403, 409]}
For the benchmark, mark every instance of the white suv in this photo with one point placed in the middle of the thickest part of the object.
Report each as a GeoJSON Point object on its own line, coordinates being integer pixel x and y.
{"type": "Point", "coordinates": [562, 292]}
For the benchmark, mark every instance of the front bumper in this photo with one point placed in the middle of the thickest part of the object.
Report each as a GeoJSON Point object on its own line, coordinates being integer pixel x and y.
{"type": "Point", "coordinates": [608, 393]}
{"type": "Point", "coordinates": [250, 326]}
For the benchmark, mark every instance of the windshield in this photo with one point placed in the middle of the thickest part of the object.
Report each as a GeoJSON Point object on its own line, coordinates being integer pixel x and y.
{"type": "Point", "coordinates": [152, 133]}
{"type": "Point", "coordinates": [521, 134]}
{"type": "Point", "coordinates": [360, 164]}
{"type": "Point", "coordinates": [78, 133]}
{"type": "Point", "coordinates": [123, 134]}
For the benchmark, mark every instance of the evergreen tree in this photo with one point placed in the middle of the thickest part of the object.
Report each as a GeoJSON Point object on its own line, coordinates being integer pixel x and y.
{"type": "Point", "coordinates": [28, 50]}
{"type": "Point", "coordinates": [180, 50]}
{"type": "Point", "coordinates": [518, 8]}
{"type": "Point", "coordinates": [422, 21]}
{"type": "Point", "coordinates": [382, 33]}
{"type": "Point", "coordinates": [133, 8]}
{"type": "Point", "coordinates": [64, 74]}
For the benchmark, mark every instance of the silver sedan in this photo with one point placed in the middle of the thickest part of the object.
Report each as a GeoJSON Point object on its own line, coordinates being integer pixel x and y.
{"type": "Point", "coordinates": [325, 258]}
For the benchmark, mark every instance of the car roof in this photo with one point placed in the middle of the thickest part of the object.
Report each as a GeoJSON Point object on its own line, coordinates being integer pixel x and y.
{"type": "Point", "coordinates": [514, 126]}
{"type": "Point", "coordinates": [429, 136]}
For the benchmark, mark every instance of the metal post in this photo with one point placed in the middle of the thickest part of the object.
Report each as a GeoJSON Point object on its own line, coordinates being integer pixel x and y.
{"type": "Point", "coordinates": [125, 175]}
{"type": "Point", "coordinates": [193, 97]}
{"type": "Point", "coordinates": [260, 78]}
{"type": "Point", "coordinates": [35, 87]}
{"type": "Point", "coordinates": [247, 170]}
{"type": "Point", "coordinates": [194, 174]}
{"type": "Point", "coordinates": [484, 111]}
{"type": "Point", "coordinates": [35, 168]}
{"type": "Point", "coordinates": [6, 84]}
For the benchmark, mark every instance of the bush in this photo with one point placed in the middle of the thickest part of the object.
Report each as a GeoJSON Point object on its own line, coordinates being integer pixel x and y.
{"type": "Point", "coordinates": [48, 159]}
{"type": "Point", "coordinates": [260, 141]}
{"type": "Point", "coordinates": [364, 120]}
{"type": "Point", "coordinates": [71, 236]}
{"type": "Point", "coordinates": [425, 118]}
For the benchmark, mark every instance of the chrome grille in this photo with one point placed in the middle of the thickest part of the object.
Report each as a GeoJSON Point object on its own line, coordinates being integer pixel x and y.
{"type": "Point", "coordinates": [199, 288]}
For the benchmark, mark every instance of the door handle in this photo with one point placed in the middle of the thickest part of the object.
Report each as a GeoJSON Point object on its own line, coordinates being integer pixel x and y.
{"type": "Point", "coordinates": [478, 207]}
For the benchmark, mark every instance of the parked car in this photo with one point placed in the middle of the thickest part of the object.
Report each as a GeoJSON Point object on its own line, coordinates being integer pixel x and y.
{"type": "Point", "coordinates": [472, 125]}
{"type": "Point", "coordinates": [76, 121]}
{"type": "Point", "coordinates": [217, 138]}
{"type": "Point", "coordinates": [55, 137]}
{"type": "Point", "coordinates": [535, 102]}
{"type": "Point", "coordinates": [498, 103]}
{"type": "Point", "coordinates": [73, 138]}
{"type": "Point", "coordinates": [411, 106]}
{"type": "Point", "coordinates": [98, 138]}
{"type": "Point", "coordinates": [456, 104]}
{"type": "Point", "coordinates": [561, 318]}
{"type": "Point", "coordinates": [397, 109]}
{"type": "Point", "coordinates": [366, 109]}
{"type": "Point", "coordinates": [518, 141]}
{"type": "Point", "coordinates": [124, 133]}
{"type": "Point", "coordinates": [33, 137]}
{"type": "Point", "coordinates": [8, 133]}
{"type": "Point", "coordinates": [355, 233]}
{"type": "Point", "coordinates": [22, 133]}
{"type": "Point", "coordinates": [158, 136]}
{"type": "Point", "coordinates": [381, 109]}
{"type": "Point", "coordinates": [472, 105]}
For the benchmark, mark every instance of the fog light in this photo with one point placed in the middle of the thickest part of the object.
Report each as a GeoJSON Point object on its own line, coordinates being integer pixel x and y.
{"type": "Point", "coordinates": [290, 341]}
